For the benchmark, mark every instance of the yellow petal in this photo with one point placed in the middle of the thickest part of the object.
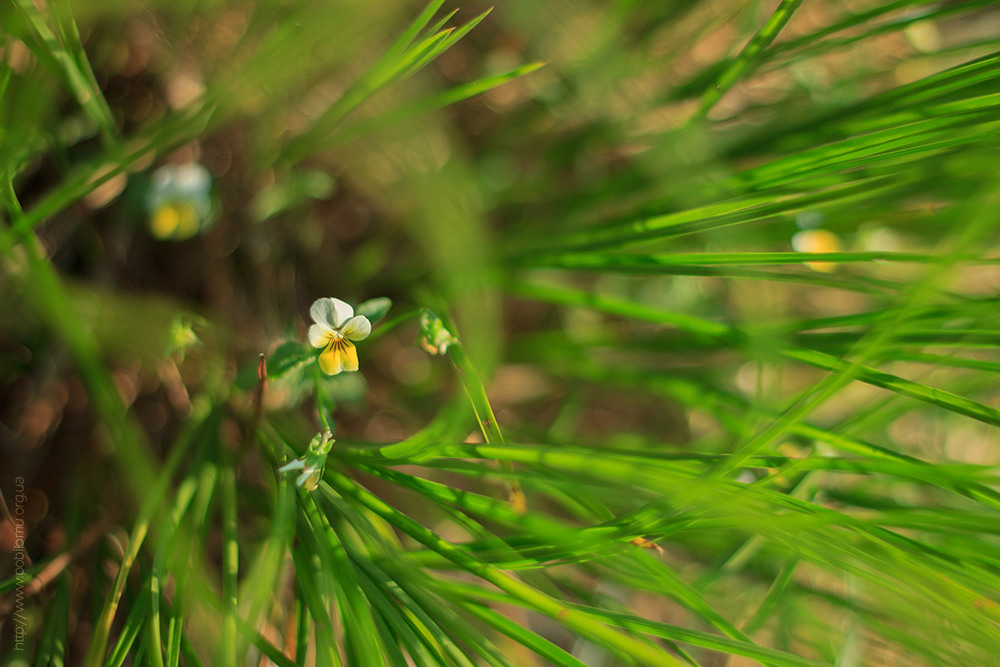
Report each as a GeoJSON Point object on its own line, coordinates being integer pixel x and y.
{"type": "Point", "coordinates": [331, 359]}
{"type": "Point", "coordinates": [350, 356]}
{"type": "Point", "coordinates": [339, 355]}
{"type": "Point", "coordinates": [187, 221]}
{"type": "Point", "coordinates": [163, 224]}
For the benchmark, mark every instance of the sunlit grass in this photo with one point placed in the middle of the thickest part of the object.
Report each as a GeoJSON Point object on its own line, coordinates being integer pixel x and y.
{"type": "Point", "coordinates": [713, 377]}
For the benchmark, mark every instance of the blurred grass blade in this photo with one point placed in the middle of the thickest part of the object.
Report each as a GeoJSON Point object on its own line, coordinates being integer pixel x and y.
{"type": "Point", "coordinates": [749, 57]}
{"type": "Point", "coordinates": [539, 645]}
{"type": "Point", "coordinates": [67, 61]}
{"type": "Point", "coordinates": [353, 131]}
{"type": "Point", "coordinates": [407, 56]}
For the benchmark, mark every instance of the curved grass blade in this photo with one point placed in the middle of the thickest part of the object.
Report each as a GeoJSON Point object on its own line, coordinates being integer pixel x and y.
{"type": "Point", "coordinates": [66, 59]}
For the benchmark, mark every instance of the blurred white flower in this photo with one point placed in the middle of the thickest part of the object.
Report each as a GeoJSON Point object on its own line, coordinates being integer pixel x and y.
{"type": "Point", "coordinates": [179, 201]}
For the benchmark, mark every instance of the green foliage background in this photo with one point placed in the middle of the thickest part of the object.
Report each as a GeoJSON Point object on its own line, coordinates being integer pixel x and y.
{"type": "Point", "coordinates": [728, 455]}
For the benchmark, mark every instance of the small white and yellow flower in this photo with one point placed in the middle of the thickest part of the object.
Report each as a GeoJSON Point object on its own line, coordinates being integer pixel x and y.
{"type": "Point", "coordinates": [336, 326]}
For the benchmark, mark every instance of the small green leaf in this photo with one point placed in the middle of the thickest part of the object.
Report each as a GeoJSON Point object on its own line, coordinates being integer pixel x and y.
{"type": "Point", "coordinates": [288, 356]}
{"type": "Point", "coordinates": [375, 309]}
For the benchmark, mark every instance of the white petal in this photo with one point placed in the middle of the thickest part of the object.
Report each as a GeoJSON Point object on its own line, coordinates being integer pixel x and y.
{"type": "Point", "coordinates": [330, 311]}
{"type": "Point", "coordinates": [342, 312]}
{"type": "Point", "coordinates": [322, 311]}
{"type": "Point", "coordinates": [192, 179]}
{"type": "Point", "coordinates": [357, 328]}
{"type": "Point", "coordinates": [319, 335]}
{"type": "Point", "coordinates": [294, 465]}
{"type": "Point", "coordinates": [164, 176]}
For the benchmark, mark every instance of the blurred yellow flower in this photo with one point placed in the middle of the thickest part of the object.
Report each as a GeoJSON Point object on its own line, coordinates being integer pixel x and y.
{"type": "Point", "coordinates": [817, 241]}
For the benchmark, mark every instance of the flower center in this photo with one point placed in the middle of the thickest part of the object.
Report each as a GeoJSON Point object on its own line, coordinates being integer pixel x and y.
{"type": "Point", "coordinates": [337, 342]}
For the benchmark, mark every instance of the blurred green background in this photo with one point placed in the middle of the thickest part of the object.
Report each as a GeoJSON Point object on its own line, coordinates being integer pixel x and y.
{"type": "Point", "coordinates": [724, 278]}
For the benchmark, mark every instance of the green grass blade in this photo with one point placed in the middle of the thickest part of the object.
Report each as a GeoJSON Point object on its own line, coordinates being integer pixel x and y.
{"type": "Point", "coordinates": [582, 623]}
{"type": "Point", "coordinates": [230, 567]}
{"type": "Point", "coordinates": [539, 645]}
{"type": "Point", "coordinates": [749, 57]}
{"type": "Point", "coordinates": [26, 21]}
